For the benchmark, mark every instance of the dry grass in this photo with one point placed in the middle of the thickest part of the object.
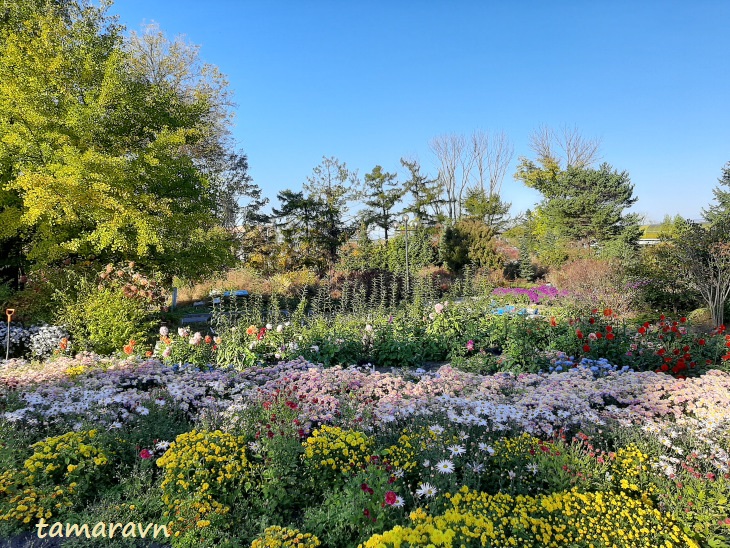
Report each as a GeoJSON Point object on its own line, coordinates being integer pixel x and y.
{"type": "Point", "coordinates": [286, 284]}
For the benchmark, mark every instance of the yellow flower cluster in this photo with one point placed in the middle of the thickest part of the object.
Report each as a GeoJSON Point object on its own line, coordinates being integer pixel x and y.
{"type": "Point", "coordinates": [331, 447]}
{"type": "Point", "coordinates": [73, 372]}
{"type": "Point", "coordinates": [561, 519]}
{"type": "Point", "coordinates": [405, 453]}
{"type": "Point", "coordinates": [279, 537]}
{"type": "Point", "coordinates": [520, 446]}
{"type": "Point", "coordinates": [50, 477]}
{"type": "Point", "coordinates": [629, 470]}
{"type": "Point", "coordinates": [204, 473]}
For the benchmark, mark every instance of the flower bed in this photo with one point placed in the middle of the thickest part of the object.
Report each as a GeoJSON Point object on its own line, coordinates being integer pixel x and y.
{"type": "Point", "coordinates": [300, 454]}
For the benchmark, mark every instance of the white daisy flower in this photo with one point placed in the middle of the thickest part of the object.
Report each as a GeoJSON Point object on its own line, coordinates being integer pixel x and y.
{"type": "Point", "coordinates": [426, 463]}
{"type": "Point", "coordinates": [456, 450]}
{"type": "Point", "coordinates": [436, 429]}
{"type": "Point", "coordinates": [511, 475]}
{"type": "Point", "coordinates": [399, 502]}
{"type": "Point", "coordinates": [487, 448]}
{"type": "Point", "coordinates": [532, 467]}
{"type": "Point", "coordinates": [445, 466]}
{"type": "Point", "coordinates": [426, 490]}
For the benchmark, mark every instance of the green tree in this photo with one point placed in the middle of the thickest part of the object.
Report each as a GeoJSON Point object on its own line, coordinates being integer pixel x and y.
{"type": "Point", "coordinates": [489, 209]}
{"type": "Point", "coordinates": [333, 186]}
{"type": "Point", "coordinates": [381, 193]}
{"type": "Point", "coordinates": [722, 208]}
{"type": "Point", "coordinates": [297, 220]}
{"type": "Point", "coordinates": [527, 270]}
{"type": "Point", "coordinates": [703, 261]}
{"type": "Point", "coordinates": [426, 195]}
{"type": "Point", "coordinates": [98, 159]}
{"type": "Point", "coordinates": [587, 204]}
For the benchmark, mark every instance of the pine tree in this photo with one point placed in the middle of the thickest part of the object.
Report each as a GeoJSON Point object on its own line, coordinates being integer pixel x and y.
{"type": "Point", "coordinates": [527, 270]}
{"type": "Point", "coordinates": [722, 208]}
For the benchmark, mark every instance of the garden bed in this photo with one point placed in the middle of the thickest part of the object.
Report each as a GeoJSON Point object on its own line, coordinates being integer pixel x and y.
{"type": "Point", "coordinates": [356, 457]}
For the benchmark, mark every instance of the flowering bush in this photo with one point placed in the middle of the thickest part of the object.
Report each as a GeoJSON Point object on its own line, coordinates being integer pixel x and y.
{"type": "Point", "coordinates": [207, 470]}
{"type": "Point", "coordinates": [280, 537]}
{"type": "Point", "coordinates": [559, 519]}
{"type": "Point", "coordinates": [332, 448]}
{"type": "Point", "coordinates": [62, 472]}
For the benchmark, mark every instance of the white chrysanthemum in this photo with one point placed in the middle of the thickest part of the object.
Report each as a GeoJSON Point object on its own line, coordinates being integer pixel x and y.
{"type": "Point", "coordinates": [436, 429]}
{"type": "Point", "coordinates": [532, 467]}
{"type": "Point", "coordinates": [445, 466]}
{"type": "Point", "coordinates": [399, 502]}
{"type": "Point", "coordinates": [426, 490]}
{"type": "Point", "coordinates": [456, 450]}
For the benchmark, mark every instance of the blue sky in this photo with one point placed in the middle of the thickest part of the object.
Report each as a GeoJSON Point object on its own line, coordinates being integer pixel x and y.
{"type": "Point", "coordinates": [370, 82]}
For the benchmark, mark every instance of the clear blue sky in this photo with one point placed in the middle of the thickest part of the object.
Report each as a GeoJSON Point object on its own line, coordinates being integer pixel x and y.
{"type": "Point", "coordinates": [370, 82]}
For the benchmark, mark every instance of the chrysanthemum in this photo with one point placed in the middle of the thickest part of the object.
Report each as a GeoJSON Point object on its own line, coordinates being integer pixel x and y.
{"type": "Point", "coordinates": [426, 490]}
{"type": "Point", "coordinates": [456, 450]}
{"type": "Point", "coordinates": [445, 466]}
{"type": "Point", "coordinates": [436, 429]}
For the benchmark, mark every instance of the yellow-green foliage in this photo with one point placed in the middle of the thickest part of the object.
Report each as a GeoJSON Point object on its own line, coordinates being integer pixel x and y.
{"type": "Point", "coordinates": [61, 471]}
{"type": "Point", "coordinates": [331, 447]}
{"type": "Point", "coordinates": [560, 519]}
{"type": "Point", "coordinates": [206, 473]}
{"type": "Point", "coordinates": [280, 537]}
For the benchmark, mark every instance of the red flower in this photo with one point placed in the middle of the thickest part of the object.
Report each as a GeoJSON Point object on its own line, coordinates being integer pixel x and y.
{"type": "Point", "coordinates": [145, 454]}
{"type": "Point", "coordinates": [553, 322]}
{"type": "Point", "coordinates": [208, 339]}
{"type": "Point", "coordinates": [682, 319]}
{"type": "Point", "coordinates": [662, 317]}
{"type": "Point", "coordinates": [701, 342]}
{"type": "Point", "coordinates": [594, 311]}
{"type": "Point", "coordinates": [661, 352]}
{"type": "Point", "coordinates": [390, 498]}
{"type": "Point", "coordinates": [579, 334]}
{"type": "Point", "coordinates": [610, 336]}
{"type": "Point", "coordinates": [609, 328]}
{"type": "Point", "coordinates": [261, 334]}
{"type": "Point", "coordinates": [664, 367]}
{"type": "Point", "coordinates": [642, 330]}
{"type": "Point", "coordinates": [599, 335]}
{"type": "Point", "coordinates": [586, 348]}
{"type": "Point", "coordinates": [592, 320]}
{"type": "Point", "coordinates": [608, 312]}
{"type": "Point", "coordinates": [675, 351]}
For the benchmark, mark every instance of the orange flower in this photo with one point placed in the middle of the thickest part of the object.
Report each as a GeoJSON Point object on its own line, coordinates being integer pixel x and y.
{"type": "Point", "coordinates": [148, 353]}
{"type": "Point", "coordinates": [607, 312]}
{"type": "Point", "coordinates": [208, 339]}
{"type": "Point", "coordinates": [64, 343]}
{"type": "Point", "coordinates": [553, 322]}
{"type": "Point", "coordinates": [252, 330]}
{"type": "Point", "coordinates": [128, 349]}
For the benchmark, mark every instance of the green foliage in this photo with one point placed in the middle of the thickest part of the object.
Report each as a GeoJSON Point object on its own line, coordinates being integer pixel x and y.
{"type": "Point", "coordinates": [722, 207]}
{"type": "Point", "coordinates": [469, 241]}
{"type": "Point", "coordinates": [104, 317]}
{"type": "Point", "coordinates": [527, 270]}
{"type": "Point", "coordinates": [703, 262]}
{"type": "Point", "coordinates": [426, 193]}
{"type": "Point", "coordinates": [381, 193]}
{"type": "Point", "coordinates": [100, 160]}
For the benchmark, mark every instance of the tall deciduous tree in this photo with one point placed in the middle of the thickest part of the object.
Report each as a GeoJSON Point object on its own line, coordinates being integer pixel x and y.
{"type": "Point", "coordinates": [104, 160]}
{"type": "Point", "coordinates": [381, 192]}
{"type": "Point", "coordinates": [703, 260]}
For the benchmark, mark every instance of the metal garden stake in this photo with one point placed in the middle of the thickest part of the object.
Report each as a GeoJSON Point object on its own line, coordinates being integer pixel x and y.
{"type": "Point", "coordinates": [9, 313]}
